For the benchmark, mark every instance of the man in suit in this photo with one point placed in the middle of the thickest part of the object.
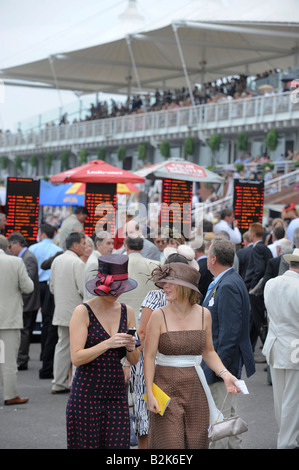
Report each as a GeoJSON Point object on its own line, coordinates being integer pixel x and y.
{"type": "Point", "coordinates": [283, 247]}
{"type": "Point", "coordinates": [149, 249]}
{"type": "Point", "coordinates": [139, 269]}
{"type": "Point", "coordinates": [228, 302]}
{"type": "Point", "coordinates": [244, 254]}
{"type": "Point", "coordinates": [259, 257]}
{"type": "Point", "coordinates": [31, 302]}
{"type": "Point", "coordinates": [73, 223]}
{"type": "Point", "coordinates": [14, 281]}
{"type": "Point", "coordinates": [66, 284]}
{"type": "Point", "coordinates": [281, 350]}
{"type": "Point", "coordinates": [206, 276]}
{"type": "Point", "coordinates": [104, 246]}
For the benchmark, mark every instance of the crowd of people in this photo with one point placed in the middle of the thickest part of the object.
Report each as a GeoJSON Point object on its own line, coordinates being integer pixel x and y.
{"type": "Point", "coordinates": [185, 315]}
{"type": "Point", "coordinates": [235, 87]}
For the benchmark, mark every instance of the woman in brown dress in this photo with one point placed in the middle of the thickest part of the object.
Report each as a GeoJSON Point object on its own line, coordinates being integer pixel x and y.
{"type": "Point", "coordinates": [178, 337]}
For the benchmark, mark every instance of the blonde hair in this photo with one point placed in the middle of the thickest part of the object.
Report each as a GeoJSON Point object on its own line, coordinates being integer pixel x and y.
{"type": "Point", "coordinates": [184, 292]}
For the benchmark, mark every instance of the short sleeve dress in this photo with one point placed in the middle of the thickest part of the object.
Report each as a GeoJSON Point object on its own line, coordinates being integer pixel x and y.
{"type": "Point", "coordinates": [185, 422]}
{"type": "Point", "coordinates": [97, 410]}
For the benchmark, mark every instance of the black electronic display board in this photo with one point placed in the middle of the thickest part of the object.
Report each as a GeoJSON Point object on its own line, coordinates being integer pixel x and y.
{"type": "Point", "coordinates": [248, 202]}
{"type": "Point", "coordinates": [100, 201]}
{"type": "Point", "coordinates": [22, 207]}
{"type": "Point", "coordinates": [176, 205]}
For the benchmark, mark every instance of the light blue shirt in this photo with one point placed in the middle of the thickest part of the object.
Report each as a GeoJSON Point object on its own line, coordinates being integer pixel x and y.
{"type": "Point", "coordinates": [42, 251]}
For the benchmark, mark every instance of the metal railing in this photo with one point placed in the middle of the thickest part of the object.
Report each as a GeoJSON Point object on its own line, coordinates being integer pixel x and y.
{"type": "Point", "coordinates": [209, 116]}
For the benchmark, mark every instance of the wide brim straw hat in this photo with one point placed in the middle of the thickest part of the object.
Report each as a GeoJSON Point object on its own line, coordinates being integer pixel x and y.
{"type": "Point", "coordinates": [111, 277]}
{"type": "Point", "coordinates": [292, 256]}
{"type": "Point", "coordinates": [176, 273]}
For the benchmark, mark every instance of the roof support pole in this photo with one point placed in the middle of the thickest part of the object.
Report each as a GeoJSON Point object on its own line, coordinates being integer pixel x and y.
{"type": "Point", "coordinates": [174, 27]}
{"type": "Point", "coordinates": [51, 61]}
{"type": "Point", "coordinates": [128, 40]}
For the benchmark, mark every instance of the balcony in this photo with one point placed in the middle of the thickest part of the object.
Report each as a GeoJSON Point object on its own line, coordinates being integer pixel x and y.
{"type": "Point", "coordinates": [229, 117]}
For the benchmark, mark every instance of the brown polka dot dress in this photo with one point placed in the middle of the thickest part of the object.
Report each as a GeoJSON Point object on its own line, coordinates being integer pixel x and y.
{"type": "Point", "coordinates": [97, 410]}
{"type": "Point", "coordinates": [185, 422]}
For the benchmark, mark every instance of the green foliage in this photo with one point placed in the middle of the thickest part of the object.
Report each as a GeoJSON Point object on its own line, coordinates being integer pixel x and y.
{"type": "Point", "coordinates": [242, 142]}
{"type": "Point", "coordinates": [272, 140]}
{"type": "Point", "coordinates": [165, 149]}
{"type": "Point", "coordinates": [239, 166]}
{"type": "Point", "coordinates": [189, 146]}
{"type": "Point", "coordinates": [83, 154]}
{"type": "Point", "coordinates": [142, 151]}
{"type": "Point", "coordinates": [48, 160]}
{"type": "Point", "coordinates": [33, 161]}
{"type": "Point", "coordinates": [102, 153]}
{"type": "Point", "coordinates": [121, 153]}
{"type": "Point", "coordinates": [4, 163]}
{"type": "Point", "coordinates": [18, 162]}
{"type": "Point", "coordinates": [215, 142]}
{"type": "Point", "coordinates": [65, 158]}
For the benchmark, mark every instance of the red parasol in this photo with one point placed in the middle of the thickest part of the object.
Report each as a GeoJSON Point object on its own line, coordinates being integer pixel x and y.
{"type": "Point", "coordinates": [96, 171]}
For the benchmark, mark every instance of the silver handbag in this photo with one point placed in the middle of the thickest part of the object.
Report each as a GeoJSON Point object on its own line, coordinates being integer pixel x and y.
{"type": "Point", "coordinates": [226, 428]}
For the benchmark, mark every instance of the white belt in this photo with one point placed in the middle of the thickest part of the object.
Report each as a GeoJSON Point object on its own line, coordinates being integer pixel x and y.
{"type": "Point", "coordinates": [192, 361]}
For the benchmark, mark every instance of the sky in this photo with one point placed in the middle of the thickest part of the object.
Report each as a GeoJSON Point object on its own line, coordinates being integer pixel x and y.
{"type": "Point", "coordinates": [34, 29]}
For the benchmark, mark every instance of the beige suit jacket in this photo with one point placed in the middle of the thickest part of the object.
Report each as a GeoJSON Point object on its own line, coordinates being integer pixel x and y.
{"type": "Point", "coordinates": [14, 281]}
{"type": "Point", "coordinates": [66, 284]}
{"type": "Point", "coordinates": [139, 268]}
{"type": "Point", "coordinates": [281, 296]}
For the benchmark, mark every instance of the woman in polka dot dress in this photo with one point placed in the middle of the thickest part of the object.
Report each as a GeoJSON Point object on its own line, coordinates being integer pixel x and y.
{"type": "Point", "coordinates": [97, 410]}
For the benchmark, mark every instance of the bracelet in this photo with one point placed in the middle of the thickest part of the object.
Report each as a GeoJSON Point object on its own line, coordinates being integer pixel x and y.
{"type": "Point", "coordinates": [222, 372]}
{"type": "Point", "coordinates": [130, 350]}
{"type": "Point", "coordinates": [127, 365]}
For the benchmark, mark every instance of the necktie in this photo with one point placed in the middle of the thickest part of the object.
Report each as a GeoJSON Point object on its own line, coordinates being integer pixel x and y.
{"type": "Point", "coordinates": [210, 288]}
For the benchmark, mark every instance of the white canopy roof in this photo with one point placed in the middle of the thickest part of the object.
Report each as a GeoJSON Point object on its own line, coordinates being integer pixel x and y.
{"type": "Point", "coordinates": [215, 39]}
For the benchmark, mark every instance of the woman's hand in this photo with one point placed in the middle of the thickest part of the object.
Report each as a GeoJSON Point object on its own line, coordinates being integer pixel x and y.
{"type": "Point", "coordinates": [152, 404]}
{"type": "Point", "coordinates": [122, 340]}
{"type": "Point", "coordinates": [229, 381]}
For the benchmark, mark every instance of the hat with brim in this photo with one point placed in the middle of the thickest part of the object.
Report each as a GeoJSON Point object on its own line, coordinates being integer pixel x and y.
{"type": "Point", "coordinates": [292, 257]}
{"type": "Point", "coordinates": [176, 273]}
{"type": "Point", "coordinates": [112, 276]}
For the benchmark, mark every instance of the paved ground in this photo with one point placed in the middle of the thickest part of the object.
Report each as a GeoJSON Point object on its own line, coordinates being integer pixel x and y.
{"type": "Point", "coordinates": [40, 424]}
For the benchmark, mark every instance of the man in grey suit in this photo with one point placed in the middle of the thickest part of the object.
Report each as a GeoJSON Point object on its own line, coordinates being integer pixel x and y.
{"type": "Point", "coordinates": [17, 246]}
{"type": "Point", "coordinates": [66, 283]}
{"type": "Point", "coordinates": [228, 301]}
{"type": "Point", "coordinates": [14, 281]}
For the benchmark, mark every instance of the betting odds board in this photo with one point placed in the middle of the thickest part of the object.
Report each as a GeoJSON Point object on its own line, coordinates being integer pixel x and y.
{"type": "Point", "coordinates": [248, 202]}
{"type": "Point", "coordinates": [22, 208]}
{"type": "Point", "coordinates": [100, 201]}
{"type": "Point", "coordinates": [176, 206]}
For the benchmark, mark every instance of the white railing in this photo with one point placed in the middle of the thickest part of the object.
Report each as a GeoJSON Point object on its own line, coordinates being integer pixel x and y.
{"type": "Point", "coordinates": [278, 184]}
{"type": "Point", "coordinates": [228, 112]}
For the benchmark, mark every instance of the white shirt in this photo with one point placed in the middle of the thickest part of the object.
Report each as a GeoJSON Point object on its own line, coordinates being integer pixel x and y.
{"type": "Point", "coordinates": [234, 233]}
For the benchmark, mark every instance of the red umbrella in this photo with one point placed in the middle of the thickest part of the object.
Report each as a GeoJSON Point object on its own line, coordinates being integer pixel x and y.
{"type": "Point", "coordinates": [96, 171]}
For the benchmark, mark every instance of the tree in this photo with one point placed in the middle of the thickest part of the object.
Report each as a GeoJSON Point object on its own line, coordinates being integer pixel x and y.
{"type": "Point", "coordinates": [121, 153]}
{"type": "Point", "coordinates": [165, 149]}
{"type": "Point", "coordinates": [4, 163]}
{"type": "Point", "coordinates": [83, 154]}
{"type": "Point", "coordinates": [18, 162]}
{"type": "Point", "coordinates": [65, 158]}
{"type": "Point", "coordinates": [189, 146]}
{"type": "Point", "coordinates": [142, 151]}
{"type": "Point", "coordinates": [242, 142]}
{"type": "Point", "coordinates": [214, 144]}
{"type": "Point", "coordinates": [33, 161]}
{"type": "Point", "coordinates": [102, 153]}
{"type": "Point", "coordinates": [48, 160]}
{"type": "Point", "coordinates": [272, 140]}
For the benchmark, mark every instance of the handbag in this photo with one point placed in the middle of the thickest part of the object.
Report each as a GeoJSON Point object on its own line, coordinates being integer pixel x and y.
{"type": "Point", "coordinates": [227, 427]}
